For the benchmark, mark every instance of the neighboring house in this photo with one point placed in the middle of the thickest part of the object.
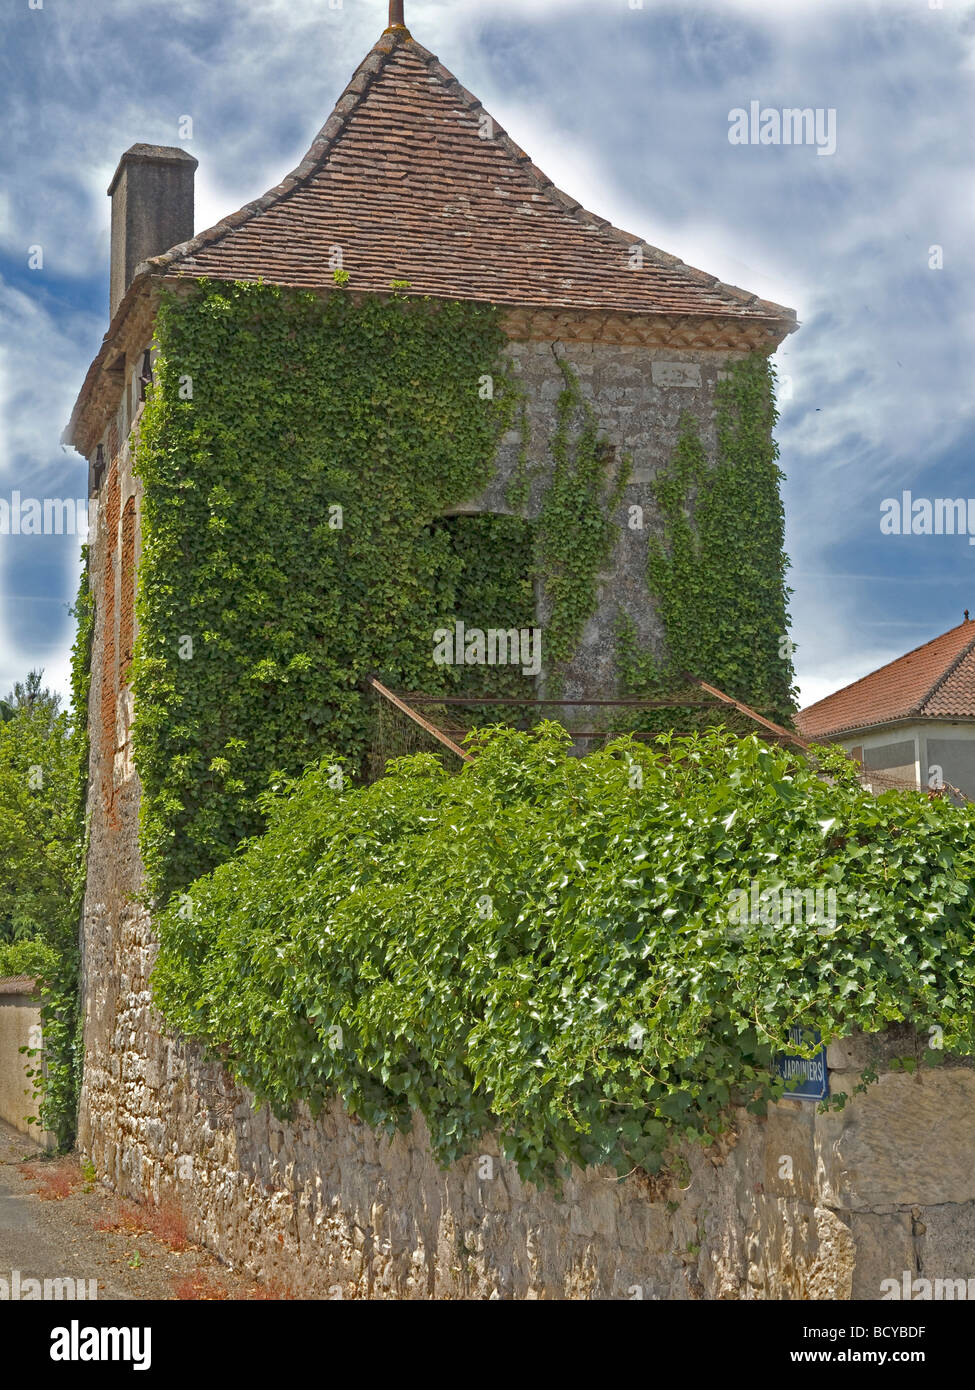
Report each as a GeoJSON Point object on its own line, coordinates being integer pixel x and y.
{"type": "Point", "coordinates": [913, 720]}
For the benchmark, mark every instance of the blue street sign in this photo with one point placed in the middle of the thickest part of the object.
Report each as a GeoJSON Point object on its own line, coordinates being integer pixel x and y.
{"type": "Point", "coordinates": [806, 1078]}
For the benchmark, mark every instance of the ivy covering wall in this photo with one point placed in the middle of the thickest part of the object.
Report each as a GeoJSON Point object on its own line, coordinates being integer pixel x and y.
{"type": "Point", "coordinates": [297, 453]}
{"type": "Point", "coordinates": [299, 456]}
{"type": "Point", "coordinates": [717, 573]}
{"type": "Point", "coordinates": [578, 525]}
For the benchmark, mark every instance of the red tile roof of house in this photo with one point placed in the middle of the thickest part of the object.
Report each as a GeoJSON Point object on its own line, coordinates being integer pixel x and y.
{"type": "Point", "coordinates": [936, 681]}
{"type": "Point", "coordinates": [414, 181]}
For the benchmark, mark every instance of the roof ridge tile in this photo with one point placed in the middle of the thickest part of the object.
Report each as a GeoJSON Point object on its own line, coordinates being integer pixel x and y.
{"type": "Point", "coordinates": [371, 66]}
{"type": "Point", "coordinates": [890, 693]}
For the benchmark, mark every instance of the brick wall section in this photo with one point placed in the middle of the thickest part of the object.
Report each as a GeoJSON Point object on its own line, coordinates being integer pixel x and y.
{"type": "Point", "coordinates": [109, 660]}
{"type": "Point", "coordinates": [127, 602]}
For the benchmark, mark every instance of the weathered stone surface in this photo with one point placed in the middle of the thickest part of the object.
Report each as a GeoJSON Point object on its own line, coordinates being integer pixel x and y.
{"type": "Point", "coordinates": [829, 1274]}
{"type": "Point", "coordinates": [907, 1141]}
{"type": "Point", "coordinates": [790, 1165]}
{"type": "Point", "coordinates": [946, 1242]}
{"type": "Point", "coordinates": [884, 1248]}
{"type": "Point", "coordinates": [20, 1027]}
{"type": "Point", "coordinates": [642, 418]}
{"type": "Point", "coordinates": [862, 1050]}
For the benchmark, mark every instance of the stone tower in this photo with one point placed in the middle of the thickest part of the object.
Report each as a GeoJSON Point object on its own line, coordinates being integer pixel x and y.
{"type": "Point", "coordinates": [413, 180]}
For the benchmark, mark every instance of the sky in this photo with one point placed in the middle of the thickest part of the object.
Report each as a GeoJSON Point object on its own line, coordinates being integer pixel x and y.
{"type": "Point", "coordinates": [627, 105]}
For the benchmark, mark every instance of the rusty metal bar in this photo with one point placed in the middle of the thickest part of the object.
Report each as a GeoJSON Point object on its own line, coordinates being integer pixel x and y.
{"type": "Point", "coordinates": [871, 774]}
{"type": "Point", "coordinates": [582, 733]}
{"type": "Point", "coordinates": [418, 719]}
{"type": "Point", "coordinates": [753, 714]}
{"type": "Point", "coordinates": [629, 702]}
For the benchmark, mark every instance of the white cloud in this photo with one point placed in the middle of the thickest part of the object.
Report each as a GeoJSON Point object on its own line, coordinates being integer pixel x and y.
{"type": "Point", "coordinates": [43, 358]}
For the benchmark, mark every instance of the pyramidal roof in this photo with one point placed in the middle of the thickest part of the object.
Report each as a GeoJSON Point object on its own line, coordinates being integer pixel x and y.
{"type": "Point", "coordinates": [936, 681]}
{"type": "Point", "coordinates": [414, 181]}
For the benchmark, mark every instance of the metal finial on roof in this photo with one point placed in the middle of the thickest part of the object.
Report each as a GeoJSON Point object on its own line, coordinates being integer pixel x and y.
{"type": "Point", "coordinates": [396, 17]}
{"type": "Point", "coordinates": [966, 615]}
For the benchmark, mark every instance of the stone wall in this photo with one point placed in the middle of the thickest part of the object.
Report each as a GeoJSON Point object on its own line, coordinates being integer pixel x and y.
{"type": "Point", "coordinates": [800, 1205]}
{"type": "Point", "coordinates": [639, 394]}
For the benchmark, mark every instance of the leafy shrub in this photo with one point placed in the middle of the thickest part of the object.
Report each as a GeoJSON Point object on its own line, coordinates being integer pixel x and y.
{"type": "Point", "coordinates": [542, 946]}
{"type": "Point", "coordinates": [27, 958]}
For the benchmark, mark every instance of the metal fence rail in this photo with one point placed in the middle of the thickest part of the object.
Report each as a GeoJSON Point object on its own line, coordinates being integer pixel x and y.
{"type": "Point", "coordinates": [701, 695]}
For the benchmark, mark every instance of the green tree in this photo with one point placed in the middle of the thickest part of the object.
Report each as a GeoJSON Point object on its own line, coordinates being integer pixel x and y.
{"type": "Point", "coordinates": [38, 824]}
{"type": "Point", "coordinates": [31, 694]}
{"type": "Point", "coordinates": [43, 782]}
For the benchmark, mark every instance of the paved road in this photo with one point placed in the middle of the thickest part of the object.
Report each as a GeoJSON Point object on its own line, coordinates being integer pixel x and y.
{"type": "Point", "coordinates": [43, 1240]}
{"type": "Point", "coordinates": [88, 1234]}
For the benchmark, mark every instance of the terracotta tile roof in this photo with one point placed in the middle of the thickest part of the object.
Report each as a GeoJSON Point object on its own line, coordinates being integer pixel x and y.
{"type": "Point", "coordinates": [936, 681]}
{"type": "Point", "coordinates": [18, 984]}
{"type": "Point", "coordinates": [401, 178]}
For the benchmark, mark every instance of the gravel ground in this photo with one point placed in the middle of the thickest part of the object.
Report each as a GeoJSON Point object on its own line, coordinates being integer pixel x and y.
{"type": "Point", "coordinates": [54, 1225]}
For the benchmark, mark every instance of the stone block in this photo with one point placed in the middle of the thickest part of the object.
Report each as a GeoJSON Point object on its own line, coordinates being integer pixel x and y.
{"type": "Point", "coordinates": [946, 1245]}
{"type": "Point", "coordinates": [884, 1246]}
{"type": "Point", "coordinates": [908, 1140]}
{"type": "Point", "coordinates": [789, 1151]}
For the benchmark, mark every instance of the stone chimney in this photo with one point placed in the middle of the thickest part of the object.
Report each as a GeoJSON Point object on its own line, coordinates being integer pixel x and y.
{"type": "Point", "coordinates": [152, 209]}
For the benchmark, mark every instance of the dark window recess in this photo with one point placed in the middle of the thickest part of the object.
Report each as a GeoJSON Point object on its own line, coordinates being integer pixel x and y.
{"type": "Point", "coordinates": [145, 378]}
{"type": "Point", "coordinates": [477, 570]}
{"type": "Point", "coordinates": [96, 470]}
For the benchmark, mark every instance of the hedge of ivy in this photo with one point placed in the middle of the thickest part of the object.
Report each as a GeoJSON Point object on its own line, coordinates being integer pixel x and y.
{"type": "Point", "coordinates": [543, 946]}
